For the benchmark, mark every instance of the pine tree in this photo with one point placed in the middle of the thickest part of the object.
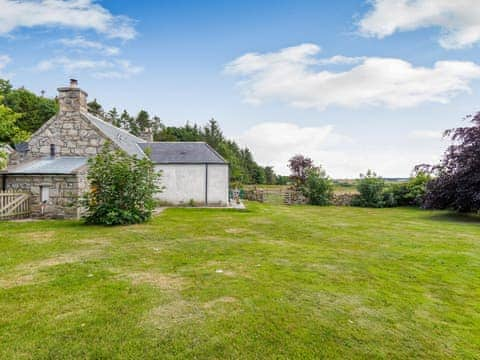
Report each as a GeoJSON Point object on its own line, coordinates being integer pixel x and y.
{"type": "Point", "coordinates": [95, 108]}
{"type": "Point", "coordinates": [113, 117]}
{"type": "Point", "coordinates": [124, 121]}
{"type": "Point", "coordinates": [143, 121]}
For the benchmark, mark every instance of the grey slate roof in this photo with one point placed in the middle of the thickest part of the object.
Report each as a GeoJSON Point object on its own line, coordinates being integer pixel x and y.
{"type": "Point", "coordinates": [126, 141]}
{"type": "Point", "coordinates": [21, 147]}
{"type": "Point", "coordinates": [59, 165]}
{"type": "Point", "coordinates": [182, 153]}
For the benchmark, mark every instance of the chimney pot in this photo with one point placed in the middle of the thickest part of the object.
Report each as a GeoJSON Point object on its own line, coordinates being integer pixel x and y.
{"type": "Point", "coordinates": [72, 98]}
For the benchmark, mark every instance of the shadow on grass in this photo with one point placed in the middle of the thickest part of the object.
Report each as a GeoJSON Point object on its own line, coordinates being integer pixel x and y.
{"type": "Point", "coordinates": [456, 217]}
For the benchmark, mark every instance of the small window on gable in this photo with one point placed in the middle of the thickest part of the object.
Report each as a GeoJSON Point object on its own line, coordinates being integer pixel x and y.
{"type": "Point", "coordinates": [53, 151]}
{"type": "Point", "coordinates": [44, 193]}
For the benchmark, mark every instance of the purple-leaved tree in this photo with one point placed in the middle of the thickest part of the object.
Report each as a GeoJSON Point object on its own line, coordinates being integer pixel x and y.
{"type": "Point", "coordinates": [456, 181]}
{"type": "Point", "coordinates": [299, 166]}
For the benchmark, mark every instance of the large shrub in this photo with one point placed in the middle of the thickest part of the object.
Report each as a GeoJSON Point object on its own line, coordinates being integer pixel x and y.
{"type": "Point", "coordinates": [456, 180]}
{"type": "Point", "coordinates": [411, 192]}
{"type": "Point", "coordinates": [318, 187]}
{"type": "Point", "coordinates": [122, 188]}
{"type": "Point", "coordinates": [370, 189]}
{"type": "Point", "coordinates": [299, 166]}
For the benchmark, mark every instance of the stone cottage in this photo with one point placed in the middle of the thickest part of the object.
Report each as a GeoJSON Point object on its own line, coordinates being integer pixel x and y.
{"type": "Point", "coordinates": [52, 166]}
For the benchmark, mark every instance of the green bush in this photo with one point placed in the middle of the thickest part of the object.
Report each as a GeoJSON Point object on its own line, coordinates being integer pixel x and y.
{"type": "Point", "coordinates": [412, 192]}
{"type": "Point", "coordinates": [373, 192]}
{"type": "Point", "coordinates": [122, 188]}
{"type": "Point", "coordinates": [370, 189]}
{"type": "Point", "coordinates": [318, 187]}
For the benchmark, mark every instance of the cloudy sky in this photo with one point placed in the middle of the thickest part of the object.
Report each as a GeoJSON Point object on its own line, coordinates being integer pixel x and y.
{"type": "Point", "coordinates": [355, 84]}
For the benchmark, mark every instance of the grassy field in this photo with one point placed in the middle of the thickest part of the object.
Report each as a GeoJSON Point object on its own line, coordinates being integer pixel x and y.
{"type": "Point", "coordinates": [269, 282]}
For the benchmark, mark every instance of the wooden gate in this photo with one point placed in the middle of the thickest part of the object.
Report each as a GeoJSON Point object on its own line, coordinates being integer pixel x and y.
{"type": "Point", "coordinates": [14, 205]}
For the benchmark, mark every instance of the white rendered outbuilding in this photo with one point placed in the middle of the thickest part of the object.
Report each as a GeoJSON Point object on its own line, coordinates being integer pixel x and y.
{"type": "Point", "coordinates": [191, 171]}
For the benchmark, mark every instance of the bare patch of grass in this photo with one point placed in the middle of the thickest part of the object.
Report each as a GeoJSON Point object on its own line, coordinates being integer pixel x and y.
{"type": "Point", "coordinates": [221, 300]}
{"type": "Point", "coordinates": [16, 281]}
{"type": "Point", "coordinates": [59, 259]}
{"type": "Point", "coordinates": [26, 274]}
{"type": "Point", "coordinates": [180, 312]}
{"type": "Point", "coordinates": [159, 280]}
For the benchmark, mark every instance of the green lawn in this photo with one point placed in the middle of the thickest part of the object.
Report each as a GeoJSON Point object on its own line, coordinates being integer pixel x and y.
{"type": "Point", "coordinates": [269, 282]}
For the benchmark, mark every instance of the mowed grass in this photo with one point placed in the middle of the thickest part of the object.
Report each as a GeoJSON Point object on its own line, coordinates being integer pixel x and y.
{"type": "Point", "coordinates": [270, 282]}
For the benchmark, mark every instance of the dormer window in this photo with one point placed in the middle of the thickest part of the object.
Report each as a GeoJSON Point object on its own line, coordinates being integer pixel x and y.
{"type": "Point", "coordinates": [53, 151]}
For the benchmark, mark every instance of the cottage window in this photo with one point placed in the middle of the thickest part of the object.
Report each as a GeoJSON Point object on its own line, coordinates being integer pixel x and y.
{"type": "Point", "coordinates": [44, 193]}
{"type": "Point", "coordinates": [52, 150]}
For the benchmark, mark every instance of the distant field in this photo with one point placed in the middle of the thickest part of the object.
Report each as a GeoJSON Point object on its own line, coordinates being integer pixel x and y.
{"type": "Point", "coordinates": [275, 282]}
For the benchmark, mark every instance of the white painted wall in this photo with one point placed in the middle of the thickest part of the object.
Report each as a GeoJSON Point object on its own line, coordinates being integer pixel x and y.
{"type": "Point", "coordinates": [183, 182]}
{"type": "Point", "coordinates": [217, 184]}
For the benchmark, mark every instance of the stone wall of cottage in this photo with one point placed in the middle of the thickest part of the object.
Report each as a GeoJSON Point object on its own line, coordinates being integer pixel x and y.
{"type": "Point", "coordinates": [64, 193]}
{"type": "Point", "coordinates": [71, 134]}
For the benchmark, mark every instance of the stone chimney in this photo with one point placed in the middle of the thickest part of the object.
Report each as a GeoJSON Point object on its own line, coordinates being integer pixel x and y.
{"type": "Point", "coordinates": [72, 98]}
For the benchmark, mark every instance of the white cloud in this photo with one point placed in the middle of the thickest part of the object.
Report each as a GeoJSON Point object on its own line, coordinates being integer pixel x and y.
{"type": "Point", "coordinates": [426, 134]}
{"type": "Point", "coordinates": [340, 59]}
{"type": "Point", "coordinates": [4, 61]}
{"type": "Point", "coordinates": [116, 69]}
{"type": "Point", "coordinates": [123, 69]}
{"type": "Point", "coordinates": [80, 42]}
{"type": "Point", "coordinates": [275, 143]}
{"type": "Point", "coordinates": [79, 14]}
{"type": "Point", "coordinates": [458, 20]}
{"type": "Point", "coordinates": [294, 75]}
{"type": "Point", "coordinates": [72, 65]}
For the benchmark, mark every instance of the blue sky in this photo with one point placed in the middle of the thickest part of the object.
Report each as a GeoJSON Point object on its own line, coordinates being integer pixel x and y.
{"type": "Point", "coordinates": [355, 85]}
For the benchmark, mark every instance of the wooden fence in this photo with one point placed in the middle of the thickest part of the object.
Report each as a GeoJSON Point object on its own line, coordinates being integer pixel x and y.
{"type": "Point", "coordinates": [14, 205]}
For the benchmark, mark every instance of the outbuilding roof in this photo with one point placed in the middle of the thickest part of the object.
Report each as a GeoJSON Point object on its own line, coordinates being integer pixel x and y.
{"type": "Point", "coordinates": [182, 153]}
{"type": "Point", "coordinates": [59, 165]}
